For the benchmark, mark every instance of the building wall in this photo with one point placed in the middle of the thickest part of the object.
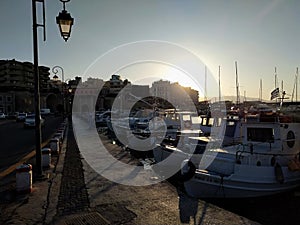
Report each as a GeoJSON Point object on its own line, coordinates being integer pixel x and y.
{"type": "Point", "coordinates": [7, 102]}
{"type": "Point", "coordinates": [161, 88]}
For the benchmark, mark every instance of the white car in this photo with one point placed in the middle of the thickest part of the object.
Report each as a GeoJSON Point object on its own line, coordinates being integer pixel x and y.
{"type": "Point", "coordinates": [2, 116]}
{"type": "Point", "coordinates": [30, 121]}
{"type": "Point", "coordinates": [21, 117]}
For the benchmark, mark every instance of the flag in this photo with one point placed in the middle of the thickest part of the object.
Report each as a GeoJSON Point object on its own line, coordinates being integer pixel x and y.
{"type": "Point", "coordinates": [275, 93]}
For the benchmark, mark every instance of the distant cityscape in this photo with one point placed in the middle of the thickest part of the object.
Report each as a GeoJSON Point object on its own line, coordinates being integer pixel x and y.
{"type": "Point", "coordinates": [17, 90]}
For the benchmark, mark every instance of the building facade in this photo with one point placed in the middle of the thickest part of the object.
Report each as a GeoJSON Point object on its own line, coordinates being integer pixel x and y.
{"type": "Point", "coordinates": [17, 90]}
{"type": "Point", "coordinates": [175, 94]}
{"type": "Point", "coordinates": [17, 86]}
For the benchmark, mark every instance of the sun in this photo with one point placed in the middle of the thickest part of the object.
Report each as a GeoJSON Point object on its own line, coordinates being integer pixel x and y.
{"type": "Point", "coordinates": [184, 79]}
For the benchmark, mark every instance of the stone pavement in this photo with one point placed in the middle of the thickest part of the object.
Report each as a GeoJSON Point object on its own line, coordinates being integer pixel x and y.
{"type": "Point", "coordinates": [75, 194]}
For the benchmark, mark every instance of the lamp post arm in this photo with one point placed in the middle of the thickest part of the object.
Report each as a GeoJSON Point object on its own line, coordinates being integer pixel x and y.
{"type": "Point", "coordinates": [64, 3]}
{"type": "Point", "coordinates": [55, 71]}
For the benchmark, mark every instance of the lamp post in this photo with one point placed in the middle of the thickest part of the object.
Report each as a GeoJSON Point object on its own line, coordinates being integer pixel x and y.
{"type": "Point", "coordinates": [55, 71]}
{"type": "Point", "coordinates": [63, 22]}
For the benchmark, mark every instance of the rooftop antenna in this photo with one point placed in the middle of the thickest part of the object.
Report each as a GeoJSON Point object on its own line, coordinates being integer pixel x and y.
{"type": "Point", "coordinates": [237, 85]}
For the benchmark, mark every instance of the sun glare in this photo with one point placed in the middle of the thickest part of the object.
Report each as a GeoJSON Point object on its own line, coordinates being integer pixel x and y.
{"type": "Point", "coordinates": [148, 72]}
{"type": "Point", "coordinates": [175, 75]}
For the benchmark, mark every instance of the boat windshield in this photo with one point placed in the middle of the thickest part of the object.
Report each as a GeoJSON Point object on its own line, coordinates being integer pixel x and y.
{"type": "Point", "coordinates": [260, 134]}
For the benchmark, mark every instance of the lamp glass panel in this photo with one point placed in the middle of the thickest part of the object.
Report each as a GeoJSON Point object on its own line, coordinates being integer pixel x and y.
{"type": "Point", "coordinates": [65, 26]}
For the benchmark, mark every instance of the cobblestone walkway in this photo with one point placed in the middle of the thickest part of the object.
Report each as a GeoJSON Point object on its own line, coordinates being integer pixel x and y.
{"type": "Point", "coordinates": [73, 196]}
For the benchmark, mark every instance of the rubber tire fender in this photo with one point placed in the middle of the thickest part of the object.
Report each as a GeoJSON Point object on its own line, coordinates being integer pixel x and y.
{"type": "Point", "coordinates": [185, 176]}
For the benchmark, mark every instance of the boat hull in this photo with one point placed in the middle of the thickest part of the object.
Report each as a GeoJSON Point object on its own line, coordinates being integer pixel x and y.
{"type": "Point", "coordinates": [263, 183]}
{"type": "Point", "coordinates": [162, 153]}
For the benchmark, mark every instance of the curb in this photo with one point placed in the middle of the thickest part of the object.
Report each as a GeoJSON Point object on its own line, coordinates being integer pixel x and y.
{"type": "Point", "coordinates": [54, 184]}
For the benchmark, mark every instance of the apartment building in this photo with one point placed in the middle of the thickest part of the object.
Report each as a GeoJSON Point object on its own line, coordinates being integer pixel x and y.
{"type": "Point", "coordinates": [175, 94]}
{"type": "Point", "coordinates": [17, 85]}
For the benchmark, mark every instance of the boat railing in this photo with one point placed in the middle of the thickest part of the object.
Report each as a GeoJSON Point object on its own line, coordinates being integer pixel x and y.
{"type": "Point", "coordinates": [268, 117]}
{"type": "Point", "coordinates": [240, 153]}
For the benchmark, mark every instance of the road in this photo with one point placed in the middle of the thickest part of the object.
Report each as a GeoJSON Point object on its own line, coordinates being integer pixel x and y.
{"type": "Point", "coordinates": [16, 141]}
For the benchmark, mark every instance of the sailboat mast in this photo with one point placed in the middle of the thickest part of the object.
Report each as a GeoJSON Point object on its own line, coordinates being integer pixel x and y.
{"type": "Point", "coordinates": [219, 83]}
{"type": "Point", "coordinates": [297, 84]}
{"type": "Point", "coordinates": [283, 94]}
{"type": "Point", "coordinates": [205, 85]}
{"type": "Point", "coordinates": [237, 85]}
{"type": "Point", "coordinates": [260, 90]}
{"type": "Point", "coordinates": [276, 82]}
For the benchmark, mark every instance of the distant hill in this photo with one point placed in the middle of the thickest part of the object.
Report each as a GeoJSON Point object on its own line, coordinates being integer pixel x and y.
{"type": "Point", "coordinates": [233, 99]}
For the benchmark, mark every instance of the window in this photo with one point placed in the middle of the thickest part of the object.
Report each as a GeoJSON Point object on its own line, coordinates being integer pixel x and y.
{"type": "Point", "coordinates": [204, 121]}
{"type": "Point", "coordinates": [211, 121]}
{"type": "Point", "coordinates": [290, 139]}
{"type": "Point", "coordinates": [8, 98]}
{"type": "Point", "coordinates": [1, 98]}
{"type": "Point", "coordinates": [260, 134]}
{"type": "Point", "coordinates": [186, 117]}
{"type": "Point", "coordinates": [196, 119]}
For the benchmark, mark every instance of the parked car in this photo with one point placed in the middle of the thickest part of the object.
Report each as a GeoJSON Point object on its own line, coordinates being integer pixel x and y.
{"type": "Point", "coordinates": [30, 121]}
{"type": "Point", "coordinates": [45, 111]}
{"type": "Point", "coordinates": [2, 116]}
{"type": "Point", "coordinates": [12, 116]}
{"type": "Point", "coordinates": [21, 117]}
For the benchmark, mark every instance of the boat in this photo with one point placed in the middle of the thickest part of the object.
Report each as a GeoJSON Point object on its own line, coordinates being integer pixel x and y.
{"type": "Point", "coordinates": [101, 118]}
{"type": "Point", "coordinates": [191, 144]}
{"type": "Point", "coordinates": [265, 163]}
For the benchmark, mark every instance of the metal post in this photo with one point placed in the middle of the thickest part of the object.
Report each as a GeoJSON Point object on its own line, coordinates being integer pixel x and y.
{"type": "Point", "coordinates": [36, 95]}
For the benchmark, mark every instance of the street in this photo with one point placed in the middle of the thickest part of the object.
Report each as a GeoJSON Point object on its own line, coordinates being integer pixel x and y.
{"type": "Point", "coordinates": [16, 141]}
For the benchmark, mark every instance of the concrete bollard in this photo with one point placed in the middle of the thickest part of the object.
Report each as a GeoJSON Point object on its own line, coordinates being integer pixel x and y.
{"type": "Point", "coordinates": [54, 145]}
{"type": "Point", "coordinates": [59, 135]}
{"type": "Point", "coordinates": [24, 179]}
{"type": "Point", "coordinates": [46, 157]}
{"type": "Point", "coordinates": [61, 130]}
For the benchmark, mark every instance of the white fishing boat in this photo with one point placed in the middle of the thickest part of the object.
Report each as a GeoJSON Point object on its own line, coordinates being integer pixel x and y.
{"type": "Point", "coordinates": [191, 144]}
{"type": "Point", "coordinates": [266, 163]}
{"type": "Point", "coordinates": [168, 122]}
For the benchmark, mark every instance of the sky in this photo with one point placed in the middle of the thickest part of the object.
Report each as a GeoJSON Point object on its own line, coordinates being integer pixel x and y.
{"type": "Point", "coordinates": [259, 35]}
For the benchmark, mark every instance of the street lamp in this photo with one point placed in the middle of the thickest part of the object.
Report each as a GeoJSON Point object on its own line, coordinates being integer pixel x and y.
{"type": "Point", "coordinates": [64, 21]}
{"type": "Point", "coordinates": [55, 77]}
{"type": "Point", "coordinates": [66, 35]}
